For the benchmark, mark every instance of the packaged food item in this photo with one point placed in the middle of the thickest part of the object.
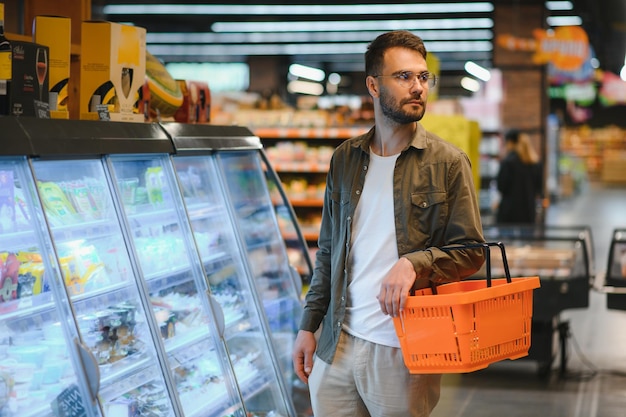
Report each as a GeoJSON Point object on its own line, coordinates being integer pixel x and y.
{"type": "Point", "coordinates": [9, 267]}
{"type": "Point", "coordinates": [113, 70]}
{"type": "Point", "coordinates": [165, 93]}
{"type": "Point", "coordinates": [29, 279]}
{"type": "Point", "coordinates": [154, 184]}
{"type": "Point", "coordinates": [78, 193]}
{"type": "Point", "coordinates": [56, 202]}
{"type": "Point", "coordinates": [128, 189]}
{"type": "Point", "coordinates": [55, 33]}
{"type": "Point", "coordinates": [71, 276]}
{"type": "Point", "coordinates": [29, 86]}
{"type": "Point", "coordinates": [123, 407]}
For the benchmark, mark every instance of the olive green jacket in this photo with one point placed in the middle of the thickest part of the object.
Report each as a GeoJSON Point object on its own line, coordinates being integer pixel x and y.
{"type": "Point", "coordinates": [435, 205]}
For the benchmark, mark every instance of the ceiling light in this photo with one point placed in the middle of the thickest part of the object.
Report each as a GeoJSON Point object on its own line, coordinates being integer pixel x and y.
{"type": "Point", "coordinates": [310, 73]}
{"type": "Point", "coordinates": [559, 5]}
{"type": "Point", "coordinates": [477, 71]}
{"type": "Point", "coordinates": [334, 78]}
{"type": "Point", "coordinates": [306, 37]}
{"type": "Point", "coordinates": [299, 49]}
{"type": "Point", "coordinates": [353, 25]}
{"type": "Point", "coordinates": [470, 84]}
{"type": "Point", "coordinates": [305, 87]}
{"type": "Point", "coordinates": [263, 9]}
{"type": "Point", "coordinates": [564, 21]}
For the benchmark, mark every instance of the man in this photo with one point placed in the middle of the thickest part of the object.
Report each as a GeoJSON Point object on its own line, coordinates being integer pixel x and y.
{"type": "Point", "coordinates": [394, 196]}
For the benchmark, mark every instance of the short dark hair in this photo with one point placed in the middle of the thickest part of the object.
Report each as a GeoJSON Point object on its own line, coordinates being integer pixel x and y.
{"type": "Point", "coordinates": [512, 136]}
{"type": "Point", "coordinates": [397, 38]}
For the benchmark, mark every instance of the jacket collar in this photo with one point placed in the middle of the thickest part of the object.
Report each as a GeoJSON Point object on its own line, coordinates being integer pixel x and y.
{"type": "Point", "coordinates": [419, 141]}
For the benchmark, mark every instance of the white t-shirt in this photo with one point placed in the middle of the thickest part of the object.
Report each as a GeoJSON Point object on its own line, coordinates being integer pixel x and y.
{"type": "Point", "coordinates": [373, 252]}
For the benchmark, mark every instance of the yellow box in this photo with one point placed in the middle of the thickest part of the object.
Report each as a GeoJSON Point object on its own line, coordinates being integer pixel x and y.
{"type": "Point", "coordinates": [55, 32]}
{"type": "Point", "coordinates": [112, 70]}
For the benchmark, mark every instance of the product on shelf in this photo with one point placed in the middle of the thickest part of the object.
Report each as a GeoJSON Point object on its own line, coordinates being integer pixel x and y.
{"type": "Point", "coordinates": [70, 201]}
{"type": "Point", "coordinates": [110, 333]}
{"type": "Point", "coordinates": [112, 71]}
{"type": "Point", "coordinates": [55, 33]}
{"type": "Point", "coordinates": [165, 94]}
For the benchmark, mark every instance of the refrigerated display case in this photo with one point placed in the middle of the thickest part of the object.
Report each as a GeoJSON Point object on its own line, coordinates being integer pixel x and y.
{"type": "Point", "coordinates": [615, 280]}
{"type": "Point", "coordinates": [562, 257]}
{"type": "Point", "coordinates": [215, 160]}
{"type": "Point", "coordinates": [146, 327]}
{"type": "Point", "coordinates": [38, 375]}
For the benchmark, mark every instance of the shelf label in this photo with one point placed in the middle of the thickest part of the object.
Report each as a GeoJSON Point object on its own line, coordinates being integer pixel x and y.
{"type": "Point", "coordinates": [68, 403]}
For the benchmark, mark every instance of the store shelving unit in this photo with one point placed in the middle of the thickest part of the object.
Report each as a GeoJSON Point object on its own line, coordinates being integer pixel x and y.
{"type": "Point", "coordinates": [301, 157]}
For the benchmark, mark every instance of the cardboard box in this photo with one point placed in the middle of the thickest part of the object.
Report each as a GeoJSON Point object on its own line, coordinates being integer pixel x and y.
{"type": "Point", "coordinates": [196, 107]}
{"type": "Point", "coordinates": [113, 70]}
{"type": "Point", "coordinates": [29, 86]}
{"type": "Point", "coordinates": [55, 32]}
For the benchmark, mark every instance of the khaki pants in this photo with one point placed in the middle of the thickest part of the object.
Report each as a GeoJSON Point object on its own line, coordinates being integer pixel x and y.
{"type": "Point", "coordinates": [370, 380]}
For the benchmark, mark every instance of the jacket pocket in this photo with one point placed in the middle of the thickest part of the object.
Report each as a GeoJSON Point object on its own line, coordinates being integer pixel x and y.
{"type": "Point", "coordinates": [429, 210]}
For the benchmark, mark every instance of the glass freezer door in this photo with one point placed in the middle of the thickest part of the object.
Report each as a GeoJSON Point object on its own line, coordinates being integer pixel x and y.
{"type": "Point", "coordinates": [246, 331]}
{"type": "Point", "coordinates": [277, 282]}
{"type": "Point", "coordinates": [102, 286]}
{"type": "Point", "coordinates": [177, 290]}
{"type": "Point", "coordinates": [37, 371]}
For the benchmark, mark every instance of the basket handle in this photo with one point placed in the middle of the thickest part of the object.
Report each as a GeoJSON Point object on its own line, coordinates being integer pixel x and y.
{"type": "Point", "coordinates": [487, 248]}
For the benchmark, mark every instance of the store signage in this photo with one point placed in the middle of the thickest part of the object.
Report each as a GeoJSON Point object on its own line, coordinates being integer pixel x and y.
{"type": "Point", "coordinates": [566, 47]}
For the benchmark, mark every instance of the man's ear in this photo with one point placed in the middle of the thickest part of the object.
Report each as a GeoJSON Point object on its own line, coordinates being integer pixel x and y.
{"type": "Point", "coordinates": [372, 86]}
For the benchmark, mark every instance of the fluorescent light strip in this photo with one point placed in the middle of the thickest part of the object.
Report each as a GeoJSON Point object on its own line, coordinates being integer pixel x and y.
{"type": "Point", "coordinates": [305, 87]}
{"type": "Point", "coordinates": [353, 25]}
{"type": "Point", "coordinates": [308, 10]}
{"type": "Point", "coordinates": [559, 5]}
{"type": "Point", "coordinates": [564, 21]}
{"type": "Point", "coordinates": [298, 49]}
{"type": "Point", "coordinates": [470, 84]}
{"type": "Point", "coordinates": [477, 71]}
{"type": "Point", "coordinates": [270, 37]}
{"type": "Point", "coordinates": [310, 73]}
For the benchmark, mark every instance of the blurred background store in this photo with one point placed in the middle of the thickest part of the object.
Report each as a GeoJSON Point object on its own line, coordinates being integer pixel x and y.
{"type": "Point", "coordinates": [292, 72]}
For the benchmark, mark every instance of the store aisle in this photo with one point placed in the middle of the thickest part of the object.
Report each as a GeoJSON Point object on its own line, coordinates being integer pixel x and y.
{"type": "Point", "coordinates": [594, 381]}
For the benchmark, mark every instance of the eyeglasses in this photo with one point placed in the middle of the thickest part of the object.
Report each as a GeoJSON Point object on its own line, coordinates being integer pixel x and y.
{"type": "Point", "coordinates": [408, 79]}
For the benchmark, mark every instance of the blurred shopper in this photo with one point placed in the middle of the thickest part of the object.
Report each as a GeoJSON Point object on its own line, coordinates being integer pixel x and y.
{"type": "Point", "coordinates": [519, 181]}
{"type": "Point", "coordinates": [394, 196]}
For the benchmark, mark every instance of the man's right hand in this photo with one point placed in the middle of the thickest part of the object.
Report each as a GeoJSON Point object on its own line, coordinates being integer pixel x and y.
{"type": "Point", "coordinates": [303, 350]}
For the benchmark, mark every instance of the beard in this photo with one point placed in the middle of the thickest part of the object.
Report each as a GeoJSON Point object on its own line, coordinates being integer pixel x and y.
{"type": "Point", "coordinates": [394, 110]}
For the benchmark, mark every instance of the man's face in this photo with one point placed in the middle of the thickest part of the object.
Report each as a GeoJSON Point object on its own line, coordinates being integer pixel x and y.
{"type": "Point", "coordinates": [403, 104]}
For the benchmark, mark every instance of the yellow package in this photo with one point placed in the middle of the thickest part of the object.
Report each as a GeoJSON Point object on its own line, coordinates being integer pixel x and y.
{"type": "Point", "coordinates": [72, 278]}
{"type": "Point", "coordinates": [56, 202]}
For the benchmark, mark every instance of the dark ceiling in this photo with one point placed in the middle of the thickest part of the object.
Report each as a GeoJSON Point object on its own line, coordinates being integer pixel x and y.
{"type": "Point", "coordinates": [604, 21]}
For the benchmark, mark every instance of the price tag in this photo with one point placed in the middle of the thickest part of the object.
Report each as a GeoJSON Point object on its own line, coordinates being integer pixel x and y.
{"type": "Point", "coordinates": [69, 403]}
{"type": "Point", "coordinates": [42, 109]}
{"type": "Point", "coordinates": [103, 112]}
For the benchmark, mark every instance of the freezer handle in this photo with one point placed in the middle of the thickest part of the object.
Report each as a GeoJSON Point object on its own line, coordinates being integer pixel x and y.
{"type": "Point", "coordinates": [90, 369]}
{"type": "Point", "coordinates": [218, 314]}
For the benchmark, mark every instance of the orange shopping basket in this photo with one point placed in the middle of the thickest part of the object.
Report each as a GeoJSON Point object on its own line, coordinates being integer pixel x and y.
{"type": "Point", "coordinates": [465, 326]}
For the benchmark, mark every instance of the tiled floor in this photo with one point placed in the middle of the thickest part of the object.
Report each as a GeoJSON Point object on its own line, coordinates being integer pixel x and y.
{"type": "Point", "coordinates": [593, 383]}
